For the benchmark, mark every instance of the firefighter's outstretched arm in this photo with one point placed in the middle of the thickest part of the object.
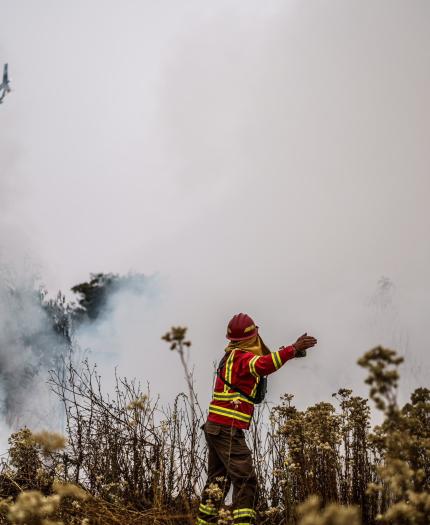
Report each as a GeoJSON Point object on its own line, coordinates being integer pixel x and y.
{"type": "Point", "coordinates": [267, 364]}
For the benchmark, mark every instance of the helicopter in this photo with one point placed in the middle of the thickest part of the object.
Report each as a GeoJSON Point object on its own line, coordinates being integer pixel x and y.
{"type": "Point", "coordinates": [5, 85]}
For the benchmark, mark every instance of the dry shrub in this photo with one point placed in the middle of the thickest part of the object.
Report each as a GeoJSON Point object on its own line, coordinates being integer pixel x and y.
{"type": "Point", "coordinates": [312, 513]}
{"type": "Point", "coordinates": [133, 462]}
{"type": "Point", "coordinates": [403, 442]}
{"type": "Point", "coordinates": [49, 441]}
{"type": "Point", "coordinates": [126, 449]}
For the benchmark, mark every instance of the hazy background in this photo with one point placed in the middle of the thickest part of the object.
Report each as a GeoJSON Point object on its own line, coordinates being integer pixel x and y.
{"type": "Point", "coordinates": [269, 157]}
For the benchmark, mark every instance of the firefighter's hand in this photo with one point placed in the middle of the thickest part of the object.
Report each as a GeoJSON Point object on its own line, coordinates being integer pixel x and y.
{"type": "Point", "coordinates": [304, 342]}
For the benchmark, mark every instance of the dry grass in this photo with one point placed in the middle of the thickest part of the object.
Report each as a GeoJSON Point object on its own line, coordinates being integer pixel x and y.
{"type": "Point", "coordinates": [128, 461]}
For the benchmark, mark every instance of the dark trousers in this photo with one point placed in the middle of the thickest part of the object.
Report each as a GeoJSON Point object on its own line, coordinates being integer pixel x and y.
{"type": "Point", "coordinates": [229, 462]}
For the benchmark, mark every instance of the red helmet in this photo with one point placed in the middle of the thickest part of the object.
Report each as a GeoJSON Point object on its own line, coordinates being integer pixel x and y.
{"type": "Point", "coordinates": [241, 327]}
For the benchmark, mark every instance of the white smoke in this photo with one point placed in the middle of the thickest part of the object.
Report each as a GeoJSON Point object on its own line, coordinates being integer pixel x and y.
{"type": "Point", "coordinates": [29, 348]}
{"type": "Point", "coordinates": [121, 324]}
{"type": "Point", "coordinates": [31, 344]}
{"type": "Point", "coordinates": [268, 157]}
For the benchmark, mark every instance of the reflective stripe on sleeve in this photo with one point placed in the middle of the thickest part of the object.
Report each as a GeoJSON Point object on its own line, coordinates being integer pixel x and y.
{"type": "Point", "coordinates": [252, 367]}
{"type": "Point", "coordinates": [276, 360]}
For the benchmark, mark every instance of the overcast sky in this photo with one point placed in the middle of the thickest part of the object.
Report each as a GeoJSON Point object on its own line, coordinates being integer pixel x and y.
{"type": "Point", "coordinates": [269, 157]}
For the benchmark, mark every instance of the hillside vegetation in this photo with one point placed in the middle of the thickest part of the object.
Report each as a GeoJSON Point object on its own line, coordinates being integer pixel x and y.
{"type": "Point", "coordinates": [125, 460]}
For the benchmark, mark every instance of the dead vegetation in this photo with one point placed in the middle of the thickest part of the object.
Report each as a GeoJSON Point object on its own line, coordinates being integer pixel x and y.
{"type": "Point", "coordinates": [126, 460]}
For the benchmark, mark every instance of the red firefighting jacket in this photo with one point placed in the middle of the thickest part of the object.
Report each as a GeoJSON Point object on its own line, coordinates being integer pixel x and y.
{"type": "Point", "coordinates": [243, 369]}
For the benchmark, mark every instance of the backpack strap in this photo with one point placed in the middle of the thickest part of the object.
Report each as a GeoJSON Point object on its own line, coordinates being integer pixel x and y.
{"type": "Point", "coordinates": [235, 388]}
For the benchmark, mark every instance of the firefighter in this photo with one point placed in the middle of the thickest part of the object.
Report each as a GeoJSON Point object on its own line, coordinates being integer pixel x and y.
{"type": "Point", "coordinates": [243, 368]}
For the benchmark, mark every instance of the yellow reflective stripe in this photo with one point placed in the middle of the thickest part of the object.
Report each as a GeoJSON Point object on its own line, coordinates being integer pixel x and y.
{"type": "Point", "coordinates": [228, 412]}
{"type": "Point", "coordinates": [252, 366]}
{"type": "Point", "coordinates": [276, 360]}
{"type": "Point", "coordinates": [207, 509]}
{"type": "Point", "coordinates": [230, 366]}
{"type": "Point", "coordinates": [273, 359]}
{"type": "Point", "coordinates": [254, 389]}
{"type": "Point", "coordinates": [230, 396]}
{"type": "Point", "coordinates": [202, 522]}
{"type": "Point", "coordinates": [249, 328]}
{"type": "Point", "coordinates": [244, 523]}
{"type": "Point", "coordinates": [241, 513]}
{"type": "Point", "coordinates": [228, 369]}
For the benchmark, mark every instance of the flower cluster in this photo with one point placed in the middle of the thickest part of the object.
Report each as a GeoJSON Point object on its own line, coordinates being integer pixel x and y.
{"type": "Point", "coordinates": [139, 403]}
{"type": "Point", "coordinates": [214, 492]}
